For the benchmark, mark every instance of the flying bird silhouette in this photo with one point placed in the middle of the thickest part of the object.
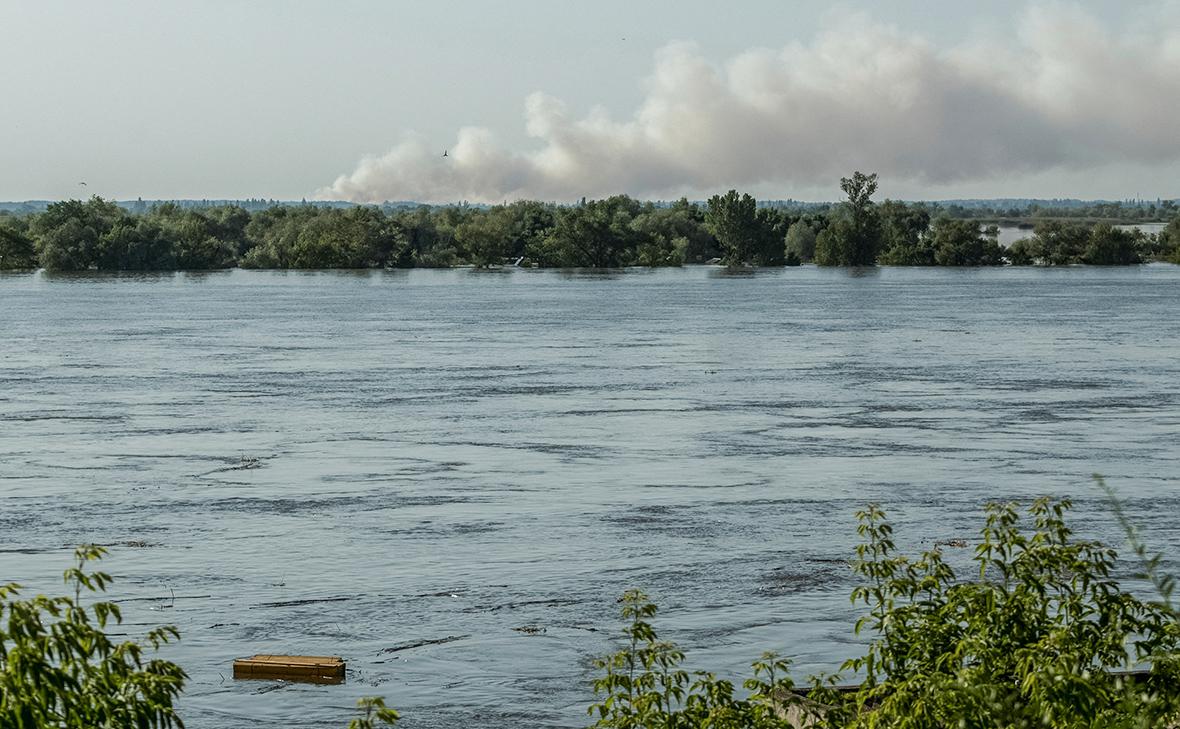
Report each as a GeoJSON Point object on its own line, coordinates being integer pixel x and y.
{"type": "Point", "coordinates": [82, 184]}
{"type": "Point", "coordinates": [444, 153]}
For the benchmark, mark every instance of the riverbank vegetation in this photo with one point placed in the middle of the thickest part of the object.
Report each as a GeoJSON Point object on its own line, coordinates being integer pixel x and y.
{"type": "Point", "coordinates": [1041, 635]}
{"type": "Point", "coordinates": [619, 231]}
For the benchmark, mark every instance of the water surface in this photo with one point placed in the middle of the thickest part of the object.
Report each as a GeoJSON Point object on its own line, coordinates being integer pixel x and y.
{"type": "Point", "coordinates": [355, 463]}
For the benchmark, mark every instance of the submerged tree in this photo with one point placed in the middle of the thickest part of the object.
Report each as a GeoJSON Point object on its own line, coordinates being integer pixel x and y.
{"type": "Point", "coordinates": [733, 220]}
{"type": "Point", "coordinates": [800, 241]}
{"type": "Point", "coordinates": [69, 234]}
{"type": "Point", "coordinates": [17, 251]}
{"type": "Point", "coordinates": [964, 243]}
{"type": "Point", "coordinates": [1110, 246]}
{"type": "Point", "coordinates": [484, 239]}
{"type": "Point", "coordinates": [854, 236]}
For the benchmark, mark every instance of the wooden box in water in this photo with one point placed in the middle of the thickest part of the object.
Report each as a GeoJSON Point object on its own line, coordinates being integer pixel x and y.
{"type": "Point", "coordinates": [306, 669]}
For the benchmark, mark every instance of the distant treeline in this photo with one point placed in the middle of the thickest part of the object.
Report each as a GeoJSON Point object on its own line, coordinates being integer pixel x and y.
{"type": "Point", "coordinates": [1159, 211]}
{"type": "Point", "coordinates": [618, 231]}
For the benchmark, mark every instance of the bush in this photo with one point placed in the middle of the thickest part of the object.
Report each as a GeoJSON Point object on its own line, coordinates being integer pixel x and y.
{"type": "Point", "coordinates": [372, 711]}
{"type": "Point", "coordinates": [1036, 640]}
{"type": "Point", "coordinates": [58, 667]}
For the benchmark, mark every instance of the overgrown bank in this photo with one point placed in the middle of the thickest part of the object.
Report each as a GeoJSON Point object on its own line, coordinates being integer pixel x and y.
{"type": "Point", "coordinates": [619, 231]}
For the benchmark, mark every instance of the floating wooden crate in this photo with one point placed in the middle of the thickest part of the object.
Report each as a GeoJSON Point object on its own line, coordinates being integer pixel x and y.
{"type": "Point", "coordinates": [307, 669]}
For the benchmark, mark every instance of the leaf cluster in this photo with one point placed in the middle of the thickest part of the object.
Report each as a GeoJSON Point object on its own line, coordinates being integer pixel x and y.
{"type": "Point", "coordinates": [643, 685]}
{"type": "Point", "coordinates": [1041, 636]}
{"type": "Point", "coordinates": [59, 668]}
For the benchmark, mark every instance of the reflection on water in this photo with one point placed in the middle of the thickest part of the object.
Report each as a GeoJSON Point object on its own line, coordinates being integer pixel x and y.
{"type": "Point", "coordinates": [405, 467]}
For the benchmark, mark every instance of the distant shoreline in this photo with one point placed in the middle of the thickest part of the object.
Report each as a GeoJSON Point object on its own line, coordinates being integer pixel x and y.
{"type": "Point", "coordinates": [616, 232]}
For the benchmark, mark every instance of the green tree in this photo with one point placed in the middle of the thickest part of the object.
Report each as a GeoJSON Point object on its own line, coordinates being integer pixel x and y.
{"type": "Point", "coordinates": [964, 243]}
{"type": "Point", "coordinates": [854, 236]}
{"type": "Point", "coordinates": [1022, 252]}
{"type": "Point", "coordinates": [60, 668]}
{"type": "Point", "coordinates": [17, 251]}
{"type": "Point", "coordinates": [528, 223]}
{"type": "Point", "coordinates": [195, 240]}
{"type": "Point", "coordinates": [772, 226]}
{"type": "Point", "coordinates": [800, 241]}
{"type": "Point", "coordinates": [272, 236]}
{"type": "Point", "coordinates": [312, 237]}
{"type": "Point", "coordinates": [733, 220]}
{"type": "Point", "coordinates": [1170, 240]}
{"type": "Point", "coordinates": [1057, 243]}
{"type": "Point", "coordinates": [485, 239]}
{"type": "Point", "coordinates": [1110, 246]}
{"type": "Point", "coordinates": [594, 234]}
{"type": "Point", "coordinates": [136, 244]}
{"type": "Point", "coordinates": [904, 237]}
{"type": "Point", "coordinates": [68, 233]}
{"type": "Point", "coordinates": [429, 237]}
{"type": "Point", "coordinates": [673, 235]}
{"type": "Point", "coordinates": [229, 224]}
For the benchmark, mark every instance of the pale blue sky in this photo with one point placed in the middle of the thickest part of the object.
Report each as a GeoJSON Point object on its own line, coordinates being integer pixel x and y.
{"type": "Point", "coordinates": [277, 99]}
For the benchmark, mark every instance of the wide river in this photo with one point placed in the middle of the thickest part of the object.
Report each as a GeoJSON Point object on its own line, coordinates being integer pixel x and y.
{"type": "Point", "coordinates": [358, 463]}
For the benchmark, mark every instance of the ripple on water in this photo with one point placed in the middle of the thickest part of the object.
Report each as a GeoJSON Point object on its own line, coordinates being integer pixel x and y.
{"type": "Point", "coordinates": [428, 463]}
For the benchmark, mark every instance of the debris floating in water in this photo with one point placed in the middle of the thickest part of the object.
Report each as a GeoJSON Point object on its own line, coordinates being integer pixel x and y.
{"type": "Point", "coordinates": [306, 669]}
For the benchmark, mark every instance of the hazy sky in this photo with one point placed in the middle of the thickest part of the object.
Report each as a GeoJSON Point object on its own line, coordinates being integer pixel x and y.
{"type": "Point", "coordinates": [558, 100]}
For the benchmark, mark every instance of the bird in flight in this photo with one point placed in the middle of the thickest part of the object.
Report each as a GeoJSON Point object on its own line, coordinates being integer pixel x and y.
{"type": "Point", "coordinates": [81, 184]}
{"type": "Point", "coordinates": [444, 153]}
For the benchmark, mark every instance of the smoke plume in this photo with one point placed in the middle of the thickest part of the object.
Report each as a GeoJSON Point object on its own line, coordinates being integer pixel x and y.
{"type": "Point", "coordinates": [1064, 93]}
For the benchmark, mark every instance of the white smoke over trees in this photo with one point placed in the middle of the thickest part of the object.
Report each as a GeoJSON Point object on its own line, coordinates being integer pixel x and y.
{"type": "Point", "coordinates": [1064, 93]}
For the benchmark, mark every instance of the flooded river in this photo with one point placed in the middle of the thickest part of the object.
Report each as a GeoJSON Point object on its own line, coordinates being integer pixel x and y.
{"type": "Point", "coordinates": [403, 468]}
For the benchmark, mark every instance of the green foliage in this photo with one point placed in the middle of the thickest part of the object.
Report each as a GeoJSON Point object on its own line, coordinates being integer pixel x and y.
{"type": "Point", "coordinates": [1170, 240]}
{"type": "Point", "coordinates": [484, 239]}
{"type": "Point", "coordinates": [1110, 246]}
{"type": "Point", "coordinates": [771, 226]}
{"type": "Point", "coordinates": [17, 251]}
{"type": "Point", "coordinates": [733, 220]}
{"type": "Point", "coordinates": [1059, 244]}
{"type": "Point", "coordinates": [1022, 252]}
{"type": "Point", "coordinates": [69, 234]}
{"type": "Point", "coordinates": [595, 234]}
{"type": "Point", "coordinates": [359, 237]}
{"type": "Point", "coordinates": [1036, 639]}
{"type": "Point", "coordinates": [903, 235]}
{"type": "Point", "coordinates": [373, 711]}
{"type": "Point", "coordinates": [673, 235]}
{"type": "Point", "coordinates": [800, 241]}
{"type": "Point", "coordinates": [1031, 642]}
{"type": "Point", "coordinates": [853, 238]}
{"type": "Point", "coordinates": [136, 245]}
{"type": "Point", "coordinates": [528, 222]}
{"type": "Point", "coordinates": [643, 686]}
{"type": "Point", "coordinates": [59, 668]}
{"type": "Point", "coordinates": [964, 243]}
{"type": "Point", "coordinates": [617, 231]}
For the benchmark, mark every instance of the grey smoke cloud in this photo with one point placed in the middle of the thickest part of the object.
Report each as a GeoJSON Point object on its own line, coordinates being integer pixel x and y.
{"type": "Point", "coordinates": [1064, 92]}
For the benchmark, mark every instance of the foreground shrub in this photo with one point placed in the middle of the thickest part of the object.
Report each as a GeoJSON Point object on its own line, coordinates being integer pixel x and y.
{"type": "Point", "coordinates": [1036, 639]}
{"type": "Point", "coordinates": [59, 668]}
